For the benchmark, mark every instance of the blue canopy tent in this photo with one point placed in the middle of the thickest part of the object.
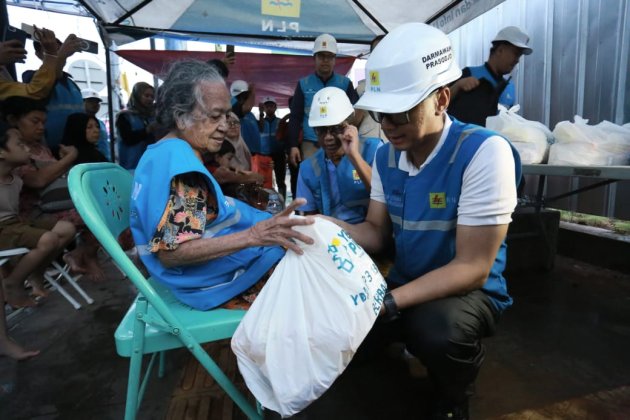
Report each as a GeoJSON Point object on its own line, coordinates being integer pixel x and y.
{"type": "Point", "coordinates": [287, 25]}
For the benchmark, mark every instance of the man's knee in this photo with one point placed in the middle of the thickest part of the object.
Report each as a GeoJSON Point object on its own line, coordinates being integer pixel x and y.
{"type": "Point", "coordinates": [442, 330]}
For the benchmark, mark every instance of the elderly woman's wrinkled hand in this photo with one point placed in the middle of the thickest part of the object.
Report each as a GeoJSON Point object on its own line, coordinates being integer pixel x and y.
{"type": "Point", "coordinates": [278, 230]}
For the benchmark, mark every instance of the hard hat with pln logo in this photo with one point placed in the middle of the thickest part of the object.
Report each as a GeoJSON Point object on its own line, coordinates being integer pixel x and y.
{"type": "Point", "coordinates": [330, 106]}
{"type": "Point", "coordinates": [407, 65]}
{"type": "Point", "coordinates": [325, 43]}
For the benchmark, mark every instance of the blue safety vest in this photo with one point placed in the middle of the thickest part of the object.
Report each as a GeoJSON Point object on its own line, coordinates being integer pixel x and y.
{"type": "Point", "coordinates": [103, 141]}
{"type": "Point", "coordinates": [205, 285]}
{"type": "Point", "coordinates": [310, 85]}
{"type": "Point", "coordinates": [129, 154]}
{"type": "Point", "coordinates": [352, 191]}
{"type": "Point", "coordinates": [251, 132]}
{"type": "Point", "coordinates": [268, 143]}
{"type": "Point", "coordinates": [508, 96]}
{"type": "Point", "coordinates": [423, 209]}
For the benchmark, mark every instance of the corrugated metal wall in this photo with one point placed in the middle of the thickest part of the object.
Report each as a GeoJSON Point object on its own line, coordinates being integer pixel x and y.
{"type": "Point", "coordinates": [579, 66]}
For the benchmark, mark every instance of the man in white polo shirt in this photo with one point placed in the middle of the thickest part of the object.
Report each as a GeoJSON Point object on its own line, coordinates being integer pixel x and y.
{"type": "Point", "coordinates": [445, 192]}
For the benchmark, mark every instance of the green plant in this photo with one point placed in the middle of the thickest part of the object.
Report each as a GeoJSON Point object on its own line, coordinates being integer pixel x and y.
{"type": "Point", "coordinates": [615, 225]}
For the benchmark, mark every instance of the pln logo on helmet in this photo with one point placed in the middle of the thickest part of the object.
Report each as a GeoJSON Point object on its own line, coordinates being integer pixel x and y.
{"type": "Point", "coordinates": [375, 81]}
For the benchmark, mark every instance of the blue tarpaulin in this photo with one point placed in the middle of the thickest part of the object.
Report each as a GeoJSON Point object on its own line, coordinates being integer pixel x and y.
{"type": "Point", "coordinates": [276, 24]}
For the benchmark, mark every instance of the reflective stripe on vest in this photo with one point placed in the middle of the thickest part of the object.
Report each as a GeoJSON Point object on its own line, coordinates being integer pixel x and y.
{"type": "Point", "coordinates": [441, 225]}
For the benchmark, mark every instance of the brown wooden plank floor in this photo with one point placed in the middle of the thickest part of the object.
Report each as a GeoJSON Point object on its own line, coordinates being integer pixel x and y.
{"type": "Point", "coordinates": [198, 397]}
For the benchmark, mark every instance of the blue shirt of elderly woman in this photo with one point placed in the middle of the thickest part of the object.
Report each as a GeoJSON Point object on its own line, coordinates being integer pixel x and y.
{"type": "Point", "coordinates": [205, 247]}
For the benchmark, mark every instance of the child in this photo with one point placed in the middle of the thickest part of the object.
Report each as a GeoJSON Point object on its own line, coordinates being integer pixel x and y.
{"type": "Point", "coordinates": [218, 164]}
{"type": "Point", "coordinates": [83, 132]}
{"type": "Point", "coordinates": [46, 238]}
{"type": "Point", "coordinates": [244, 185]}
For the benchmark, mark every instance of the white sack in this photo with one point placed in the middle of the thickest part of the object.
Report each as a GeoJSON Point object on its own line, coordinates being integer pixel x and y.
{"type": "Point", "coordinates": [603, 144]}
{"type": "Point", "coordinates": [530, 138]}
{"type": "Point", "coordinates": [309, 319]}
{"type": "Point", "coordinates": [531, 152]}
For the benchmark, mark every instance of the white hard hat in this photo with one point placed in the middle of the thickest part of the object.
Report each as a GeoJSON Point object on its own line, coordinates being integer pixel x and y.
{"type": "Point", "coordinates": [325, 43]}
{"type": "Point", "coordinates": [238, 87]}
{"type": "Point", "coordinates": [266, 99]}
{"type": "Point", "coordinates": [514, 36]}
{"type": "Point", "coordinates": [330, 106]}
{"type": "Point", "coordinates": [90, 94]}
{"type": "Point", "coordinates": [407, 65]}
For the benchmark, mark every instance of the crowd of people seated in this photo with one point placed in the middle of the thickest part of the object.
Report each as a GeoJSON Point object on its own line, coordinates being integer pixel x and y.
{"type": "Point", "coordinates": [401, 177]}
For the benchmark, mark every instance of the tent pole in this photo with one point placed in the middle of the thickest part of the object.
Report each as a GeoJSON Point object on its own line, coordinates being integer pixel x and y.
{"type": "Point", "coordinates": [368, 14]}
{"type": "Point", "coordinates": [155, 78]}
{"type": "Point", "coordinates": [110, 101]}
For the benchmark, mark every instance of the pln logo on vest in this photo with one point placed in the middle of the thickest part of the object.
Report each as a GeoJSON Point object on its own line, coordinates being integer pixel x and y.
{"type": "Point", "coordinates": [437, 200]}
{"type": "Point", "coordinates": [355, 176]}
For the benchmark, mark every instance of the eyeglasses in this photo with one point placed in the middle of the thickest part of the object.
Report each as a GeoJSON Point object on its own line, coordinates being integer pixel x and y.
{"type": "Point", "coordinates": [335, 130]}
{"type": "Point", "coordinates": [399, 118]}
{"type": "Point", "coordinates": [233, 123]}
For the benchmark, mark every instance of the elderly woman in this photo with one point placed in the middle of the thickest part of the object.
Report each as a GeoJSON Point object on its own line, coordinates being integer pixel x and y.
{"type": "Point", "coordinates": [242, 159]}
{"type": "Point", "coordinates": [207, 248]}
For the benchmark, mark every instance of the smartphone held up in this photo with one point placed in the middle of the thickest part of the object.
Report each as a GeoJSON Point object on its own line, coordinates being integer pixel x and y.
{"type": "Point", "coordinates": [85, 44]}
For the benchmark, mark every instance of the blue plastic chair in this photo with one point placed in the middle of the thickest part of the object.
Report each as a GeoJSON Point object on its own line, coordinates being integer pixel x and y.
{"type": "Point", "coordinates": [156, 321]}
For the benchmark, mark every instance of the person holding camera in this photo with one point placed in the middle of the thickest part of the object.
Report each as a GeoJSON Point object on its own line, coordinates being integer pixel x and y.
{"type": "Point", "coordinates": [64, 100]}
{"type": "Point", "coordinates": [43, 80]}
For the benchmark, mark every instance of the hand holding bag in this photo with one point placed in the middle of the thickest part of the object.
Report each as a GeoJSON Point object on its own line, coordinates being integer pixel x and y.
{"type": "Point", "coordinates": [308, 321]}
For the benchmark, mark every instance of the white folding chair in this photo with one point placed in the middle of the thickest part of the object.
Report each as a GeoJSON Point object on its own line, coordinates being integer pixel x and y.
{"type": "Point", "coordinates": [52, 275]}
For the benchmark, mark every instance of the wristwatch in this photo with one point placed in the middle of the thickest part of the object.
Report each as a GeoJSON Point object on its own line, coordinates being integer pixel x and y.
{"type": "Point", "coordinates": [391, 309]}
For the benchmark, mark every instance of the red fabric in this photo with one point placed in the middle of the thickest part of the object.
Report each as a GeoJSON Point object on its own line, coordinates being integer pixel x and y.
{"type": "Point", "coordinates": [273, 74]}
{"type": "Point", "coordinates": [263, 165]}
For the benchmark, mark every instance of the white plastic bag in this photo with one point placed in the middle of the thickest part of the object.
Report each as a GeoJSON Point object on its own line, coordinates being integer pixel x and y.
{"type": "Point", "coordinates": [309, 319]}
{"type": "Point", "coordinates": [581, 144]}
{"type": "Point", "coordinates": [530, 138]}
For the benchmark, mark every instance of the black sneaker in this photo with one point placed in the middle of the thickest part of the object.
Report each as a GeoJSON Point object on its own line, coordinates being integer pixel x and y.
{"type": "Point", "coordinates": [446, 410]}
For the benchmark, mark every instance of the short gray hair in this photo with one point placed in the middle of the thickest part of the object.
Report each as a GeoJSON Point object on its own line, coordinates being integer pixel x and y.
{"type": "Point", "coordinates": [180, 93]}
